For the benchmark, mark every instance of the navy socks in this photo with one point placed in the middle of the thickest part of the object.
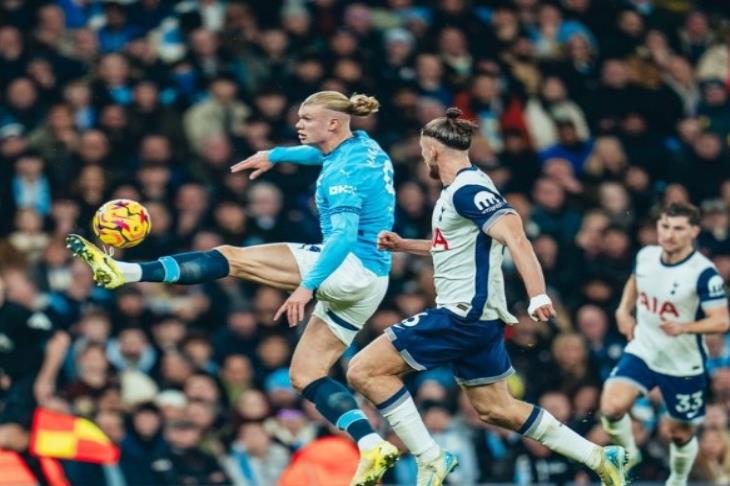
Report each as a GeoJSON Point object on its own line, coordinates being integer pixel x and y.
{"type": "Point", "coordinates": [335, 402]}
{"type": "Point", "coordinates": [186, 268]}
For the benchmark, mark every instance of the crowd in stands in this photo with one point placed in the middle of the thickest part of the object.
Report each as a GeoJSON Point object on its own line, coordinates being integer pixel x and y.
{"type": "Point", "coordinates": [592, 114]}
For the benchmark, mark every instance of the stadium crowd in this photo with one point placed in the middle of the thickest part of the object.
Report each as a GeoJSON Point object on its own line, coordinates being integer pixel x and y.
{"type": "Point", "coordinates": [592, 114]}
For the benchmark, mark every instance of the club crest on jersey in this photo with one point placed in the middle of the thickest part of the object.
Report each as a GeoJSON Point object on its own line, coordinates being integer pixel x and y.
{"type": "Point", "coordinates": [653, 305]}
{"type": "Point", "coordinates": [484, 200]}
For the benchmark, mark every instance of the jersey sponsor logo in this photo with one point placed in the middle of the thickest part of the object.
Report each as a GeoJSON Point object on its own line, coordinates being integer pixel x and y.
{"type": "Point", "coordinates": [716, 287]}
{"type": "Point", "coordinates": [439, 240]}
{"type": "Point", "coordinates": [484, 201]}
{"type": "Point", "coordinates": [342, 189]}
{"type": "Point", "coordinates": [653, 305]}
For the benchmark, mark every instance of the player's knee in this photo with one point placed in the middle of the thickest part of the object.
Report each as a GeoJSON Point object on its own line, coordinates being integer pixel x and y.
{"type": "Point", "coordinates": [612, 407]}
{"type": "Point", "coordinates": [226, 250]}
{"type": "Point", "coordinates": [236, 258]}
{"type": "Point", "coordinates": [680, 435]}
{"type": "Point", "coordinates": [357, 374]}
{"type": "Point", "coordinates": [300, 378]}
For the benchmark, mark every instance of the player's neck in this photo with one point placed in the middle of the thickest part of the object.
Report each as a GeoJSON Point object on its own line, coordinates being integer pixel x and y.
{"type": "Point", "coordinates": [448, 171]}
{"type": "Point", "coordinates": [677, 256]}
{"type": "Point", "coordinates": [329, 145]}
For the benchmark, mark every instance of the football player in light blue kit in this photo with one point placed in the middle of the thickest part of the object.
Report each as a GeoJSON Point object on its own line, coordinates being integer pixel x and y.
{"type": "Point", "coordinates": [472, 226]}
{"type": "Point", "coordinates": [356, 199]}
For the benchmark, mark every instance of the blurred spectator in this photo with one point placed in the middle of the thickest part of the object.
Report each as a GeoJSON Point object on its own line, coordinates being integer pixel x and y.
{"type": "Point", "coordinates": [713, 461]}
{"type": "Point", "coordinates": [219, 115]}
{"type": "Point", "coordinates": [592, 114]}
{"type": "Point", "coordinates": [255, 457]}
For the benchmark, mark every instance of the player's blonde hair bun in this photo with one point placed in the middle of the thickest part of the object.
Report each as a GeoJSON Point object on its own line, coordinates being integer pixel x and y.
{"type": "Point", "coordinates": [363, 105]}
{"type": "Point", "coordinates": [357, 104]}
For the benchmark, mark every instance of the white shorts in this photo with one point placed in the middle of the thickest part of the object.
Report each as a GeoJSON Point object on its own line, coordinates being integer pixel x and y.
{"type": "Point", "coordinates": [348, 297]}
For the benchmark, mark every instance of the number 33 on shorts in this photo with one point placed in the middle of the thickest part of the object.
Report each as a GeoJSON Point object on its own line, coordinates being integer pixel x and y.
{"type": "Point", "coordinates": [689, 405]}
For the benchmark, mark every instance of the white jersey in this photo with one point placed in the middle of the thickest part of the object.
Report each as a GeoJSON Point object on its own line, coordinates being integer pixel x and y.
{"type": "Point", "coordinates": [467, 262]}
{"type": "Point", "coordinates": [677, 293]}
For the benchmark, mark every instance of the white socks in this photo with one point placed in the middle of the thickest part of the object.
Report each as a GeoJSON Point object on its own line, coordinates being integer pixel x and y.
{"type": "Point", "coordinates": [132, 272]}
{"type": "Point", "coordinates": [403, 417]}
{"type": "Point", "coordinates": [621, 433]}
{"type": "Point", "coordinates": [681, 460]}
{"type": "Point", "coordinates": [562, 439]}
{"type": "Point", "coordinates": [368, 442]}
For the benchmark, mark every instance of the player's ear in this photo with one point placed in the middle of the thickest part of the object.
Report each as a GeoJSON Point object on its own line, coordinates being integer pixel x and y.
{"type": "Point", "coordinates": [434, 152]}
{"type": "Point", "coordinates": [695, 231]}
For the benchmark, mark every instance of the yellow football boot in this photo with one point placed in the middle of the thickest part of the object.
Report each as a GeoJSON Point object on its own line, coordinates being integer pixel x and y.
{"type": "Point", "coordinates": [374, 463]}
{"type": "Point", "coordinates": [105, 269]}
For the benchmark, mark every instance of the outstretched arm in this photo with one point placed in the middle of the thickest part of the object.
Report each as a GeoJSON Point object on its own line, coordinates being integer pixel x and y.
{"type": "Point", "coordinates": [298, 154]}
{"type": "Point", "coordinates": [264, 160]}
{"type": "Point", "coordinates": [388, 240]}
{"type": "Point", "coordinates": [508, 230]}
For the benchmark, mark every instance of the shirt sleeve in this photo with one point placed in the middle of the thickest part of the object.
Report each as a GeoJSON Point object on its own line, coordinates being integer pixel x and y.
{"type": "Point", "coordinates": [480, 204]}
{"type": "Point", "coordinates": [335, 248]}
{"type": "Point", "coordinates": [711, 289]}
{"type": "Point", "coordinates": [300, 154]}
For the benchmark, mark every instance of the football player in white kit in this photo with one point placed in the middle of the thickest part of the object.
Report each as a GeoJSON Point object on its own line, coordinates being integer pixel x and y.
{"type": "Point", "coordinates": [472, 225]}
{"type": "Point", "coordinates": [678, 296]}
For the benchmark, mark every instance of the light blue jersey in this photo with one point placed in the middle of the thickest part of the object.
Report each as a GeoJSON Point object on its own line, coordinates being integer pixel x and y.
{"type": "Point", "coordinates": [355, 199]}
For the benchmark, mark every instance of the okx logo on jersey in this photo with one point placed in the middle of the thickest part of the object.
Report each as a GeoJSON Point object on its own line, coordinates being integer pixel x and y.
{"type": "Point", "coordinates": [486, 201]}
{"type": "Point", "coordinates": [342, 189]}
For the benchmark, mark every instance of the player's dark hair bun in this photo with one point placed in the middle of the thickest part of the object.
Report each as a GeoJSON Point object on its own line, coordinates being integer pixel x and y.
{"type": "Point", "coordinates": [453, 113]}
{"type": "Point", "coordinates": [451, 130]}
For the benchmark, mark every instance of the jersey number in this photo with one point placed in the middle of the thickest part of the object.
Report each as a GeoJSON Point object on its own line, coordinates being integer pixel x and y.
{"type": "Point", "coordinates": [411, 321]}
{"type": "Point", "coordinates": [388, 178]}
{"type": "Point", "coordinates": [689, 403]}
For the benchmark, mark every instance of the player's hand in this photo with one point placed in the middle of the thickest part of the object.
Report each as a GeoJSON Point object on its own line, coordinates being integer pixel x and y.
{"type": "Point", "coordinates": [672, 328]}
{"type": "Point", "coordinates": [258, 162]}
{"type": "Point", "coordinates": [387, 240]}
{"type": "Point", "coordinates": [626, 324]}
{"type": "Point", "coordinates": [43, 389]}
{"type": "Point", "coordinates": [294, 306]}
{"type": "Point", "coordinates": [541, 308]}
{"type": "Point", "coordinates": [544, 313]}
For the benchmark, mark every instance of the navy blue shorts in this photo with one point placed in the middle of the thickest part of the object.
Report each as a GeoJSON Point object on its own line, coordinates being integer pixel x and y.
{"type": "Point", "coordinates": [684, 396]}
{"type": "Point", "coordinates": [436, 337]}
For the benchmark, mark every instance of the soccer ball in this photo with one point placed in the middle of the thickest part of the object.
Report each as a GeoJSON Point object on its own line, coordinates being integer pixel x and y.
{"type": "Point", "coordinates": [121, 223]}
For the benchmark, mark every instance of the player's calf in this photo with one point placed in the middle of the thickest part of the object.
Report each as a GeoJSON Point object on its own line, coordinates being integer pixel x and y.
{"type": "Point", "coordinates": [504, 411]}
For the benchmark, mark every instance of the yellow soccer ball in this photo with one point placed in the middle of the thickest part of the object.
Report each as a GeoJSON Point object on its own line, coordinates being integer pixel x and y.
{"type": "Point", "coordinates": [122, 223]}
